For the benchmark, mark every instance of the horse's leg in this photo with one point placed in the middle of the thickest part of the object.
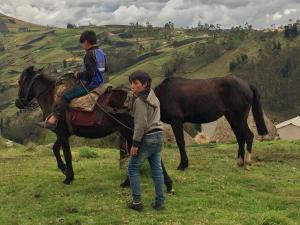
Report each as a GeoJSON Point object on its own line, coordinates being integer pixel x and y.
{"type": "Point", "coordinates": [60, 164]}
{"type": "Point", "coordinates": [177, 127]}
{"type": "Point", "coordinates": [249, 141]}
{"type": "Point", "coordinates": [68, 158]}
{"type": "Point", "coordinates": [237, 126]}
{"type": "Point", "coordinates": [167, 180]}
{"type": "Point", "coordinates": [126, 182]}
{"type": "Point", "coordinates": [123, 147]}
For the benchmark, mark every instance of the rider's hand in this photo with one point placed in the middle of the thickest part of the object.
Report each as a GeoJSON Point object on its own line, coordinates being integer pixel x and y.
{"type": "Point", "coordinates": [134, 151]}
{"type": "Point", "coordinates": [75, 75]}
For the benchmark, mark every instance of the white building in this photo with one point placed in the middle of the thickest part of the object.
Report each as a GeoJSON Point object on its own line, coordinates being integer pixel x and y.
{"type": "Point", "coordinates": [290, 129]}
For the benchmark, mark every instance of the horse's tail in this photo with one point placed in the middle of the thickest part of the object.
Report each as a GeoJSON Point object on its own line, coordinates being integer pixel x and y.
{"type": "Point", "coordinates": [257, 112]}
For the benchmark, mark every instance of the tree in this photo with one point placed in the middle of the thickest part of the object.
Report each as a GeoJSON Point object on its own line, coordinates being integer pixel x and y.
{"type": "Point", "coordinates": [168, 31]}
{"type": "Point", "coordinates": [277, 78]}
{"type": "Point", "coordinates": [119, 59]}
{"type": "Point", "coordinates": [152, 48]}
{"type": "Point", "coordinates": [149, 28]}
{"type": "Point", "coordinates": [176, 64]}
{"type": "Point", "coordinates": [291, 31]}
{"type": "Point", "coordinates": [71, 26]}
{"type": "Point", "coordinates": [199, 49]}
{"type": "Point", "coordinates": [3, 28]}
{"type": "Point", "coordinates": [200, 26]}
{"type": "Point", "coordinates": [212, 53]}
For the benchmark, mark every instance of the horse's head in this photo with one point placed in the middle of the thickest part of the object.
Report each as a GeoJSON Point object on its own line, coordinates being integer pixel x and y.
{"type": "Point", "coordinates": [26, 82]}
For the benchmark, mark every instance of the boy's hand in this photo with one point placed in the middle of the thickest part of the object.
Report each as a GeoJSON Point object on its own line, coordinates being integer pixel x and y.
{"type": "Point", "coordinates": [134, 151]}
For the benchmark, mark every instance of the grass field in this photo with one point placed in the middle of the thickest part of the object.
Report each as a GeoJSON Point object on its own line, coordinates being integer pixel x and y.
{"type": "Point", "coordinates": [212, 191]}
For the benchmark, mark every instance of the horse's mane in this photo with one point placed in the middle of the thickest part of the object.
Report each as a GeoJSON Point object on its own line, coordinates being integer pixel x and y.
{"type": "Point", "coordinates": [49, 78]}
{"type": "Point", "coordinates": [122, 87]}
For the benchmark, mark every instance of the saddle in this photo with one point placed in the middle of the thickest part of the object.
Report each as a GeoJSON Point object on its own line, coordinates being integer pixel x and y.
{"type": "Point", "coordinates": [88, 110]}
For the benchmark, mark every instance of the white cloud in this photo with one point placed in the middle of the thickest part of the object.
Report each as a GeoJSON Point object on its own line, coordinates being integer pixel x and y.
{"type": "Point", "coordinates": [276, 16]}
{"type": "Point", "coordinates": [259, 13]}
{"type": "Point", "coordinates": [129, 14]}
{"type": "Point", "coordinates": [289, 11]}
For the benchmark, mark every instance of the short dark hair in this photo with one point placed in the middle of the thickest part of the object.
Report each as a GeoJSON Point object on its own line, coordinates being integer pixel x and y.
{"type": "Point", "coordinates": [88, 35]}
{"type": "Point", "coordinates": [141, 76]}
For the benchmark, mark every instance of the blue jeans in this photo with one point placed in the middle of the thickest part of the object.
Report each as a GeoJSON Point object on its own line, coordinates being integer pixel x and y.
{"type": "Point", "coordinates": [75, 92]}
{"type": "Point", "coordinates": [150, 149]}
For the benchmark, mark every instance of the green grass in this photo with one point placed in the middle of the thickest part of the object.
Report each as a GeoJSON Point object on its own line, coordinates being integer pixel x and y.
{"type": "Point", "coordinates": [212, 191]}
{"type": "Point", "coordinates": [85, 152]}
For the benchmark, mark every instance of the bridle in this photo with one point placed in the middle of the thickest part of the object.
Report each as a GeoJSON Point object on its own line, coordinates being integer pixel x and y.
{"type": "Point", "coordinates": [24, 101]}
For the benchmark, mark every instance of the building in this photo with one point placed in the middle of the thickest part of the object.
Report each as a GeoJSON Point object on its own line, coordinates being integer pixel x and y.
{"type": "Point", "coordinates": [290, 129]}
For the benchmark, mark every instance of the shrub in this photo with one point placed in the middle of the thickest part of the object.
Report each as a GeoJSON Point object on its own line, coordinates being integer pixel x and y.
{"type": "Point", "coordinates": [87, 153]}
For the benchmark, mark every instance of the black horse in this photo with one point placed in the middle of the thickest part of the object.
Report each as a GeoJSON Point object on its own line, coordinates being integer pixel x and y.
{"type": "Point", "coordinates": [203, 101]}
{"type": "Point", "coordinates": [35, 84]}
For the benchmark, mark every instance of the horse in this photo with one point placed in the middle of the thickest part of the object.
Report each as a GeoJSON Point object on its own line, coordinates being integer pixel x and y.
{"type": "Point", "coordinates": [36, 84]}
{"type": "Point", "coordinates": [205, 100]}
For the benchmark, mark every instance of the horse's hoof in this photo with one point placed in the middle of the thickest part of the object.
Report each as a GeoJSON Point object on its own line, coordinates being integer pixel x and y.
{"type": "Point", "coordinates": [240, 162]}
{"type": "Point", "coordinates": [68, 180]}
{"type": "Point", "coordinates": [182, 167]}
{"type": "Point", "coordinates": [171, 192]}
{"type": "Point", "coordinates": [248, 158]}
{"type": "Point", "coordinates": [125, 184]}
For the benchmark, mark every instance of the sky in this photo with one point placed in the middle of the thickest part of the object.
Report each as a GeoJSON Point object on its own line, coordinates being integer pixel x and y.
{"type": "Point", "coordinates": [183, 13]}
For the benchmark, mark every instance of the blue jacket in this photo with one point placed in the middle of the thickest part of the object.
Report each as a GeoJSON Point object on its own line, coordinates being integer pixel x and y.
{"type": "Point", "coordinates": [94, 68]}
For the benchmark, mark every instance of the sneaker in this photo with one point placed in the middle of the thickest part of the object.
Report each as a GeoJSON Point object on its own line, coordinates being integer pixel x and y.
{"type": "Point", "coordinates": [138, 206]}
{"type": "Point", "coordinates": [158, 206]}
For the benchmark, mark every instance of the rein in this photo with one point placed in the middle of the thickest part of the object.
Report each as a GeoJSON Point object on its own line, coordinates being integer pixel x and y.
{"type": "Point", "coordinates": [27, 92]}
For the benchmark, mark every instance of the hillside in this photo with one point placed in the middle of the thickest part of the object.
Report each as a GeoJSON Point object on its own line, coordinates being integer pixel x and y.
{"type": "Point", "coordinates": [14, 24]}
{"type": "Point", "coordinates": [186, 53]}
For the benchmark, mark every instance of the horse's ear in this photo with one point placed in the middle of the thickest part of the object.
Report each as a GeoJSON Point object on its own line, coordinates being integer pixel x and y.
{"type": "Point", "coordinates": [30, 69]}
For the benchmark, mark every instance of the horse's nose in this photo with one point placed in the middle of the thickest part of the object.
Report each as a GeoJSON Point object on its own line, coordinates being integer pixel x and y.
{"type": "Point", "coordinates": [19, 104]}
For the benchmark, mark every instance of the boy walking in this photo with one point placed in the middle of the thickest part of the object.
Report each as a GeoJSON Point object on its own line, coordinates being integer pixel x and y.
{"type": "Point", "coordinates": [147, 140]}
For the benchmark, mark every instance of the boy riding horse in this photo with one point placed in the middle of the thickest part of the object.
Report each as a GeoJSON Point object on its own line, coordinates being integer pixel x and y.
{"type": "Point", "coordinates": [90, 78]}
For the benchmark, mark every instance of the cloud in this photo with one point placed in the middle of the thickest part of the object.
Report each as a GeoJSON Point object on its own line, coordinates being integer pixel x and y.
{"type": "Point", "coordinates": [289, 11]}
{"type": "Point", "coordinates": [183, 13]}
{"type": "Point", "coordinates": [276, 16]}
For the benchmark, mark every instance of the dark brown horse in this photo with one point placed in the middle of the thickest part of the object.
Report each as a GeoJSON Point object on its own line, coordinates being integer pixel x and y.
{"type": "Point", "coordinates": [35, 84]}
{"type": "Point", "coordinates": [203, 101]}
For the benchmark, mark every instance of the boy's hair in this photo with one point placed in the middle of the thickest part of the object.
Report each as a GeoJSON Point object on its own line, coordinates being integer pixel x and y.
{"type": "Point", "coordinates": [141, 76]}
{"type": "Point", "coordinates": [88, 35]}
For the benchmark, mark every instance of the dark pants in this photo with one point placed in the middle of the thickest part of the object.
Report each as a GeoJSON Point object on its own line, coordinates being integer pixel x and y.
{"type": "Point", "coordinates": [61, 106]}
